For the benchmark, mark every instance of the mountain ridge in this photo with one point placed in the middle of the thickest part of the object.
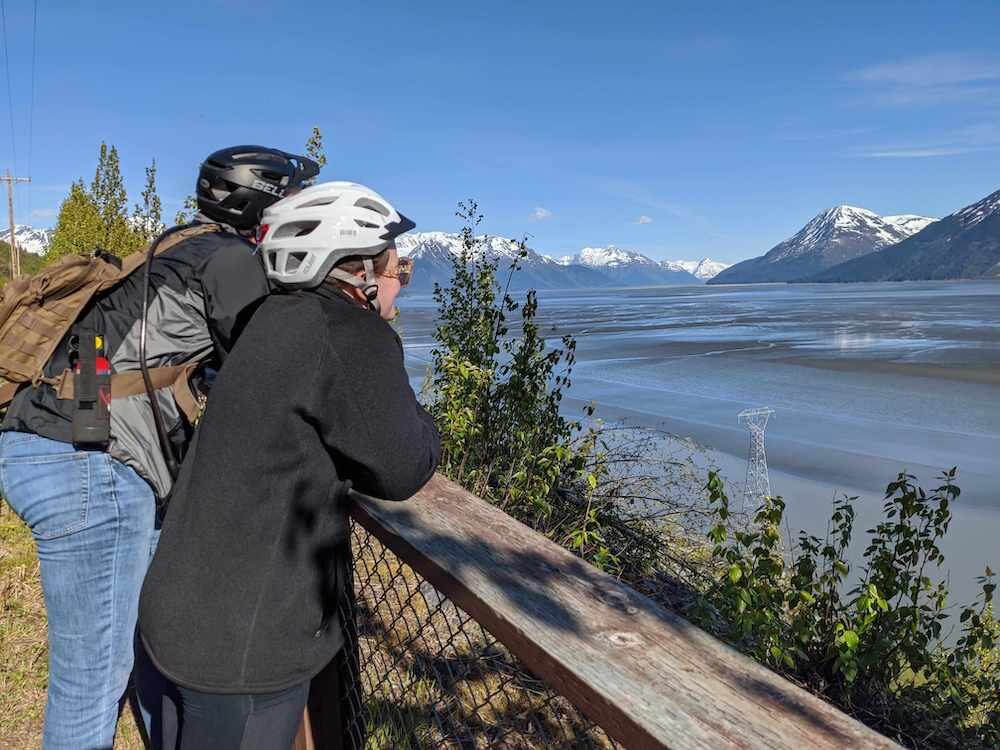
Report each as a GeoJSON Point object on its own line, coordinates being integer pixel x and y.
{"type": "Point", "coordinates": [964, 244]}
{"type": "Point", "coordinates": [832, 237]}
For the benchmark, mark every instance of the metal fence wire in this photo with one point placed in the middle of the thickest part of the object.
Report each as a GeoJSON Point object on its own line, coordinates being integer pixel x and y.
{"type": "Point", "coordinates": [421, 673]}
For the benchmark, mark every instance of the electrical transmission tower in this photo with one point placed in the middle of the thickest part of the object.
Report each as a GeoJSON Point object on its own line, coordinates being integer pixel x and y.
{"type": "Point", "coordinates": [758, 484]}
{"type": "Point", "coordinates": [15, 258]}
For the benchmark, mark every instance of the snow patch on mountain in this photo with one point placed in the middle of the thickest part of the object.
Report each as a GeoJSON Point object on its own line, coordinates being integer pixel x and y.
{"type": "Point", "coordinates": [972, 215]}
{"type": "Point", "coordinates": [706, 268]}
{"type": "Point", "coordinates": [29, 239]}
{"type": "Point", "coordinates": [909, 223]}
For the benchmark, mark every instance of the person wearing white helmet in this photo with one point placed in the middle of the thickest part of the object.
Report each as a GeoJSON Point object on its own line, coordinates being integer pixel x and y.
{"type": "Point", "coordinates": [241, 607]}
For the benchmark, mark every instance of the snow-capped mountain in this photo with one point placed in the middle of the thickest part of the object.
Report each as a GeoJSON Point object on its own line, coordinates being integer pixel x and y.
{"type": "Point", "coordinates": [964, 245]}
{"type": "Point", "coordinates": [29, 239]}
{"type": "Point", "coordinates": [434, 252]}
{"type": "Point", "coordinates": [705, 269]}
{"type": "Point", "coordinates": [591, 267]}
{"type": "Point", "coordinates": [627, 267]}
{"type": "Point", "coordinates": [611, 257]}
{"type": "Point", "coordinates": [421, 244]}
{"type": "Point", "coordinates": [835, 236]}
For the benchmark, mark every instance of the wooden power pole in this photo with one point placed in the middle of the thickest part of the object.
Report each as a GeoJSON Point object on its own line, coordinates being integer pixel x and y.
{"type": "Point", "coordinates": [15, 258]}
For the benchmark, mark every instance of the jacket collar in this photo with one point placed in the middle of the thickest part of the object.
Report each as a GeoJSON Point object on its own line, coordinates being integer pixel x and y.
{"type": "Point", "coordinates": [330, 291]}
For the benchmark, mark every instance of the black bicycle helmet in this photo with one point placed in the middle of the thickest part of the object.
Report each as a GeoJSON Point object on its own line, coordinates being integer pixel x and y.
{"type": "Point", "coordinates": [236, 184]}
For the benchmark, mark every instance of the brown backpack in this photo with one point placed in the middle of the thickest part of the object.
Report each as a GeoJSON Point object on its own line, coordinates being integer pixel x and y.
{"type": "Point", "coordinates": [37, 312]}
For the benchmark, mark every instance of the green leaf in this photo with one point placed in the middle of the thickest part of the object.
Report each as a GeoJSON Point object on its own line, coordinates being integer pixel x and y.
{"type": "Point", "coordinates": [735, 573]}
{"type": "Point", "coordinates": [851, 639]}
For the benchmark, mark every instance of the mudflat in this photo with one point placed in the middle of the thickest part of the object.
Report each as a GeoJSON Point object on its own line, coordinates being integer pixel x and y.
{"type": "Point", "coordinates": [866, 380]}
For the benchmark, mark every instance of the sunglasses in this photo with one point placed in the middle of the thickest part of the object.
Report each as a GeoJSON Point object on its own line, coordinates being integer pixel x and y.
{"type": "Point", "coordinates": [403, 272]}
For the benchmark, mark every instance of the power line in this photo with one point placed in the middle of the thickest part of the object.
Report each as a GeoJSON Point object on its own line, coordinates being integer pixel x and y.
{"type": "Point", "coordinates": [31, 106]}
{"type": "Point", "coordinates": [10, 97]}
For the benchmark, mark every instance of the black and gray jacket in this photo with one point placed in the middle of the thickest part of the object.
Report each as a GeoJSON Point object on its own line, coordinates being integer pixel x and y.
{"type": "Point", "coordinates": [204, 289]}
{"type": "Point", "coordinates": [242, 594]}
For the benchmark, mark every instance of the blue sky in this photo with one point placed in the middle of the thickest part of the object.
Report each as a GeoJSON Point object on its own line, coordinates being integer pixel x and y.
{"type": "Point", "coordinates": [677, 129]}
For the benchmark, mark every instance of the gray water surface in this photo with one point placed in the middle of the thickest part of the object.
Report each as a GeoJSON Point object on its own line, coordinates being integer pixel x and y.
{"type": "Point", "coordinates": [866, 380]}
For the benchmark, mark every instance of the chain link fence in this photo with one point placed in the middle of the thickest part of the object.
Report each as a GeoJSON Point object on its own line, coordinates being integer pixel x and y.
{"type": "Point", "coordinates": [423, 674]}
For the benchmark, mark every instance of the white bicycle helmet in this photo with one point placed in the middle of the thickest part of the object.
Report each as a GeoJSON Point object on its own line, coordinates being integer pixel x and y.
{"type": "Point", "coordinates": [302, 238]}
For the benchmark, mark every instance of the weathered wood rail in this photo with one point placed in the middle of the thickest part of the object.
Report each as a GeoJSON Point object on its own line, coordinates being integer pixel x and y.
{"type": "Point", "coordinates": [649, 678]}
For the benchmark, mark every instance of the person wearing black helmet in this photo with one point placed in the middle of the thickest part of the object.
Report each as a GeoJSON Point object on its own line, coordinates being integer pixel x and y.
{"type": "Point", "coordinates": [93, 509]}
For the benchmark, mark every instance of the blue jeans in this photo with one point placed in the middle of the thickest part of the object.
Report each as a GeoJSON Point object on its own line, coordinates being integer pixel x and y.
{"type": "Point", "coordinates": [94, 523]}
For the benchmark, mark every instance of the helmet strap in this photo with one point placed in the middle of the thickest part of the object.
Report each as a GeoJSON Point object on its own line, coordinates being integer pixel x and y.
{"type": "Point", "coordinates": [368, 286]}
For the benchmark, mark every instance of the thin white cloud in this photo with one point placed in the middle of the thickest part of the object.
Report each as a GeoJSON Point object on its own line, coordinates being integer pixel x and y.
{"type": "Point", "coordinates": [917, 153]}
{"type": "Point", "coordinates": [977, 137]}
{"type": "Point", "coordinates": [930, 79]}
{"type": "Point", "coordinates": [44, 213]}
{"type": "Point", "coordinates": [644, 220]}
{"type": "Point", "coordinates": [795, 135]}
{"type": "Point", "coordinates": [931, 70]}
{"type": "Point", "coordinates": [906, 96]}
{"type": "Point", "coordinates": [540, 214]}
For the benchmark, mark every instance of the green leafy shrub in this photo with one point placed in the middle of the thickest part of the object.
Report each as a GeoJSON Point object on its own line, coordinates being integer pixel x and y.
{"type": "Point", "coordinates": [872, 644]}
{"type": "Point", "coordinates": [495, 390]}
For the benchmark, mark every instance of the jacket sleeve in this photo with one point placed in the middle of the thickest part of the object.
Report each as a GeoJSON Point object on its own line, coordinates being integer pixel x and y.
{"type": "Point", "coordinates": [233, 280]}
{"type": "Point", "coordinates": [379, 436]}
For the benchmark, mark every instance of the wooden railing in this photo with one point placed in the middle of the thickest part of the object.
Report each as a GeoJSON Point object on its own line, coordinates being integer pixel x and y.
{"type": "Point", "coordinates": [647, 677]}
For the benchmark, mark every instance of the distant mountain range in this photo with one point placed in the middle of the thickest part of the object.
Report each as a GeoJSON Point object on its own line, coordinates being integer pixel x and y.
{"type": "Point", "coordinates": [964, 245]}
{"type": "Point", "coordinates": [591, 267]}
{"type": "Point", "coordinates": [29, 239]}
{"type": "Point", "coordinates": [841, 244]}
{"type": "Point", "coordinates": [835, 236]}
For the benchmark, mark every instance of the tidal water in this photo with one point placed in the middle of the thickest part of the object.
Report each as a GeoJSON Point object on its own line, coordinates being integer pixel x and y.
{"type": "Point", "coordinates": [865, 380]}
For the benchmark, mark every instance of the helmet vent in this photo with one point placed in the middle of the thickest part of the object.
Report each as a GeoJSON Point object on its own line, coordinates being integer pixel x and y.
{"type": "Point", "coordinates": [365, 224]}
{"type": "Point", "coordinates": [294, 229]}
{"type": "Point", "coordinates": [323, 200]}
{"type": "Point", "coordinates": [294, 260]}
{"type": "Point", "coordinates": [372, 205]}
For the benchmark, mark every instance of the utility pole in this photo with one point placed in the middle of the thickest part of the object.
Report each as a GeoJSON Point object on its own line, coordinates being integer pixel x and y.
{"type": "Point", "coordinates": [15, 258]}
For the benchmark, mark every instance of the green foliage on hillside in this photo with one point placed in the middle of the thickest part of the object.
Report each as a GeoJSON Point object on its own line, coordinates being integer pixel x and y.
{"type": "Point", "coordinates": [30, 263]}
